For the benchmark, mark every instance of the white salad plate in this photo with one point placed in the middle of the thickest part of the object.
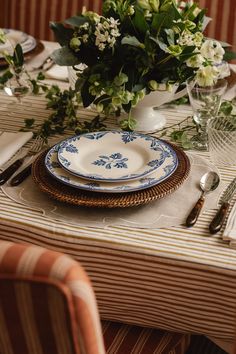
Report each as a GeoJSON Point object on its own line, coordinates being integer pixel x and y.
{"type": "Point", "coordinates": [163, 172]}
{"type": "Point", "coordinates": [14, 37]}
{"type": "Point", "coordinates": [113, 156]}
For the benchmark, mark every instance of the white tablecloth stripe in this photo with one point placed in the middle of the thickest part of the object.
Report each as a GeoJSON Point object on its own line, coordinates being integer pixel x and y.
{"type": "Point", "coordinates": [178, 279]}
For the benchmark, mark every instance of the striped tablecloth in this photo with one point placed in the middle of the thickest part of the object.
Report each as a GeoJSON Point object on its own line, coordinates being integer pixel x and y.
{"type": "Point", "coordinates": [177, 279]}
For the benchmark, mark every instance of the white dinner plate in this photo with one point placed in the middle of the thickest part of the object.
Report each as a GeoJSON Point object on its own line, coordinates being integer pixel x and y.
{"type": "Point", "coordinates": [113, 156]}
{"type": "Point", "coordinates": [55, 169]}
{"type": "Point", "coordinates": [14, 37]}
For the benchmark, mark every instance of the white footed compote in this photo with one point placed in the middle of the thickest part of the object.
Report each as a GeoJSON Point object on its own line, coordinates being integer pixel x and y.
{"type": "Point", "coordinates": [146, 113]}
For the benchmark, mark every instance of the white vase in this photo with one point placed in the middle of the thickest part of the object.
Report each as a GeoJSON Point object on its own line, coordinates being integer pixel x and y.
{"type": "Point", "coordinates": [147, 114]}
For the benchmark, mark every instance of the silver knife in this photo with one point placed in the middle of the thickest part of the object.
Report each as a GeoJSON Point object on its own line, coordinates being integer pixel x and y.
{"type": "Point", "coordinates": [220, 216]}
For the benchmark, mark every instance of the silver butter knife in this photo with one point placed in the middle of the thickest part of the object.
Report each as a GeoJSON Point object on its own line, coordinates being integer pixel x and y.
{"type": "Point", "coordinates": [220, 216]}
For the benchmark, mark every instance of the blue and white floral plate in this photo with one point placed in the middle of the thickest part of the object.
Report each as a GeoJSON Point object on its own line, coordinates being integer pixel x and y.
{"type": "Point", "coordinates": [166, 170]}
{"type": "Point", "coordinates": [114, 156]}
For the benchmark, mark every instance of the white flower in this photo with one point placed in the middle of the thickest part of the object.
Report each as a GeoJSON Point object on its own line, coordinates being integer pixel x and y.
{"type": "Point", "coordinates": [196, 11]}
{"type": "Point", "coordinates": [113, 23]}
{"type": "Point", "coordinates": [195, 61]}
{"type": "Point", "coordinates": [213, 51]}
{"type": "Point", "coordinates": [2, 36]}
{"type": "Point", "coordinates": [207, 75]}
{"type": "Point", "coordinates": [223, 70]}
{"type": "Point", "coordinates": [85, 26]}
{"type": "Point", "coordinates": [191, 39]}
{"type": "Point", "coordinates": [85, 38]}
{"type": "Point", "coordinates": [106, 33]}
{"type": "Point", "coordinates": [197, 39]}
{"type": "Point", "coordinates": [101, 46]}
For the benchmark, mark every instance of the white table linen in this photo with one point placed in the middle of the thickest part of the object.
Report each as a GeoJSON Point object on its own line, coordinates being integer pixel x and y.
{"type": "Point", "coordinates": [10, 143]}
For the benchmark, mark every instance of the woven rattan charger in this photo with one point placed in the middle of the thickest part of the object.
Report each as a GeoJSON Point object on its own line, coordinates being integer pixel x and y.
{"type": "Point", "coordinates": [67, 194]}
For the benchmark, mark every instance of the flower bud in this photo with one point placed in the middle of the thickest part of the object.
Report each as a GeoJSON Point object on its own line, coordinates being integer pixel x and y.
{"type": "Point", "coordinates": [99, 107]}
{"type": "Point", "coordinates": [175, 50]}
{"type": "Point", "coordinates": [190, 25]}
{"type": "Point", "coordinates": [153, 85]}
{"type": "Point", "coordinates": [144, 4]}
{"type": "Point", "coordinates": [130, 10]}
{"type": "Point", "coordinates": [154, 5]}
{"type": "Point", "coordinates": [75, 44]}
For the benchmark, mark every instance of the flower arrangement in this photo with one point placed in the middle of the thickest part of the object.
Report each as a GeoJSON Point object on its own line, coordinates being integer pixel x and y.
{"type": "Point", "coordinates": [133, 47]}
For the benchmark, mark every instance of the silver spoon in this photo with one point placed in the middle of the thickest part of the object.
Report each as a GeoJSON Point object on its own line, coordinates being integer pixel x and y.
{"type": "Point", "coordinates": [208, 183]}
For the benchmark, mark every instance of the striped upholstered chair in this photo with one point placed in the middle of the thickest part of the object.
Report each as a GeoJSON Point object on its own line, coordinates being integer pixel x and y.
{"type": "Point", "coordinates": [47, 306]}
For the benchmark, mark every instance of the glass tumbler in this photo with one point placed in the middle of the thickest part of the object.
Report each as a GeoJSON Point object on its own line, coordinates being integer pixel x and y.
{"type": "Point", "coordinates": [222, 140]}
{"type": "Point", "coordinates": [205, 102]}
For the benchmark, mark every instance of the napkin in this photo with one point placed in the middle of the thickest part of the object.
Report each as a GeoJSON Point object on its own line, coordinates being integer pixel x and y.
{"type": "Point", "coordinates": [36, 62]}
{"type": "Point", "coordinates": [10, 143]}
{"type": "Point", "coordinates": [57, 72]}
{"type": "Point", "coordinates": [229, 233]}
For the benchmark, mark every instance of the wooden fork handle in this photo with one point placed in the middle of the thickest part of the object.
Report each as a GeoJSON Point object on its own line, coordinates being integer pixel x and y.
{"type": "Point", "coordinates": [9, 171]}
{"type": "Point", "coordinates": [219, 218]}
{"type": "Point", "coordinates": [194, 213]}
{"type": "Point", "coordinates": [21, 176]}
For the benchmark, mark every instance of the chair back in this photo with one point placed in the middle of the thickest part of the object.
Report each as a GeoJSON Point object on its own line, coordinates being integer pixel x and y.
{"type": "Point", "coordinates": [47, 304]}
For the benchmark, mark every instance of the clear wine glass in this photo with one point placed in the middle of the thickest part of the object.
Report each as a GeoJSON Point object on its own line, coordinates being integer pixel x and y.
{"type": "Point", "coordinates": [205, 102]}
{"type": "Point", "coordinates": [18, 86]}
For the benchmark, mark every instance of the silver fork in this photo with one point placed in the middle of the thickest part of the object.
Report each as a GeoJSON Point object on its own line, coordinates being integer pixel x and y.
{"type": "Point", "coordinates": [36, 147]}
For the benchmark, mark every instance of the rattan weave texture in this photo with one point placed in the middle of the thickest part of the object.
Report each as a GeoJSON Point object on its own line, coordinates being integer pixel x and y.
{"type": "Point", "coordinates": [67, 194]}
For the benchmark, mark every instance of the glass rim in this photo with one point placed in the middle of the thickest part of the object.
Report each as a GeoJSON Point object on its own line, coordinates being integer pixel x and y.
{"type": "Point", "coordinates": [213, 88]}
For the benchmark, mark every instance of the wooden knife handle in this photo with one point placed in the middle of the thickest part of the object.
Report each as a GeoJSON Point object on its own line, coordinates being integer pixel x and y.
{"type": "Point", "coordinates": [219, 219]}
{"type": "Point", "coordinates": [8, 172]}
{"type": "Point", "coordinates": [20, 177]}
{"type": "Point", "coordinates": [194, 213]}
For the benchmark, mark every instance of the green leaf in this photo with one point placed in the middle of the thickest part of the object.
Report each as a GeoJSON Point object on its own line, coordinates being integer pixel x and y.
{"type": "Point", "coordinates": [164, 20]}
{"type": "Point", "coordinates": [62, 33]}
{"type": "Point", "coordinates": [140, 22]}
{"type": "Point", "coordinates": [226, 108]}
{"type": "Point", "coordinates": [64, 57]}
{"type": "Point", "coordinates": [76, 21]}
{"type": "Point", "coordinates": [161, 44]}
{"type": "Point", "coordinates": [5, 77]}
{"type": "Point", "coordinates": [87, 98]}
{"type": "Point", "coordinates": [229, 55]}
{"type": "Point", "coordinates": [131, 40]}
{"type": "Point", "coordinates": [176, 135]}
{"type": "Point", "coordinates": [18, 56]}
{"type": "Point", "coordinates": [29, 122]}
{"type": "Point", "coordinates": [40, 76]}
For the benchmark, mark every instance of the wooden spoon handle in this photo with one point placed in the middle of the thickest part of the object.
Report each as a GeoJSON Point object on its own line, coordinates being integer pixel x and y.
{"type": "Point", "coordinates": [194, 213]}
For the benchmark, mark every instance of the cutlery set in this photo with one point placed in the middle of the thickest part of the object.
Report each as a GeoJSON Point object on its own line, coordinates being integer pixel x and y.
{"type": "Point", "coordinates": [36, 147]}
{"type": "Point", "coordinates": [208, 183]}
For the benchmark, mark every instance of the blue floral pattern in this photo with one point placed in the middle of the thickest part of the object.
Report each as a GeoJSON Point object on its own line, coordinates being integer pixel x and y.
{"type": "Point", "coordinates": [95, 136]}
{"type": "Point", "coordinates": [96, 161]}
{"type": "Point", "coordinates": [71, 148]}
{"type": "Point", "coordinates": [115, 160]}
{"type": "Point", "coordinates": [165, 170]}
{"type": "Point", "coordinates": [127, 137]}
